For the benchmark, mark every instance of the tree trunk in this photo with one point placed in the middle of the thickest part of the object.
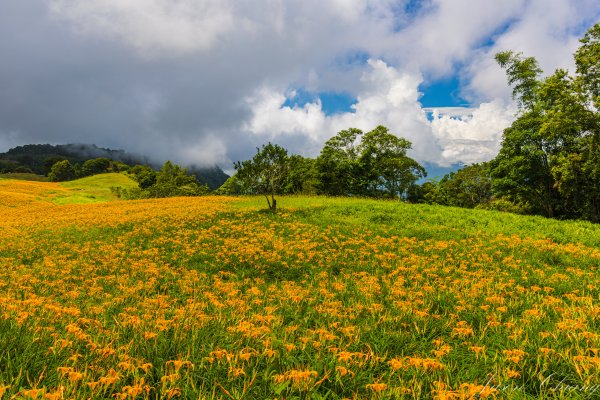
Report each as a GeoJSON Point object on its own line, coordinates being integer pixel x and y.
{"type": "Point", "coordinates": [268, 202]}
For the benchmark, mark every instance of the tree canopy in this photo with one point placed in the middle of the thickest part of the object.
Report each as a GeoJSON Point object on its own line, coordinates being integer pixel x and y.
{"type": "Point", "coordinates": [351, 163]}
{"type": "Point", "coordinates": [374, 164]}
{"type": "Point", "coordinates": [549, 155]}
{"type": "Point", "coordinates": [265, 173]}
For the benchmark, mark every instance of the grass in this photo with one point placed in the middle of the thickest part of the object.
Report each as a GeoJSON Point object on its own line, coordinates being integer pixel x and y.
{"type": "Point", "coordinates": [213, 297]}
{"type": "Point", "coordinates": [425, 221]}
{"type": "Point", "coordinates": [24, 177]}
{"type": "Point", "coordinates": [94, 189]}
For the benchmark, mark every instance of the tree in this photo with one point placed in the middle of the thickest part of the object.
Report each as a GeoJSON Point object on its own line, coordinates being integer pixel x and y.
{"type": "Point", "coordinates": [118, 166]}
{"type": "Point", "coordinates": [421, 193]}
{"type": "Point", "coordinates": [95, 166]}
{"type": "Point", "coordinates": [468, 187]}
{"type": "Point", "coordinates": [523, 75]}
{"type": "Point", "coordinates": [265, 173]}
{"type": "Point", "coordinates": [300, 177]}
{"type": "Point", "coordinates": [374, 164]}
{"type": "Point", "coordinates": [231, 187]}
{"type": "Point", "coordinates": [62, 171]}
{"type": "Point", "coordinates": [143, 175]}
{"type": "Point", "coordinates": [172, 180]}
{"type": "Point", "coordinates": [548, 158]}
{"type": "Point", "coordinates": [49, 162]}
{"type": "Point", "coordinates": [337, 167]}
{"type": "Point", "coordinates": [587, 60]}
{"type": "Point", "coordinates": [385, 167]}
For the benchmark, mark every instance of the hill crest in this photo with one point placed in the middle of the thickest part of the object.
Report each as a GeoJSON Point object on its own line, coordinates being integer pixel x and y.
{"type": "Point", "coordinates": [39, 158]}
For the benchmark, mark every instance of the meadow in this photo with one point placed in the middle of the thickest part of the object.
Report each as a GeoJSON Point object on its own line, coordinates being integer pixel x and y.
{"type": "Point", "coordinates": [213, 297]}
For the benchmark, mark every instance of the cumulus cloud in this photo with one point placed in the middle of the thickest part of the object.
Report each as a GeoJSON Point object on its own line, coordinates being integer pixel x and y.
{"type": "Point", "coordinates": [546, 30]}
{"type": "Point", "coordinates": [388, 97]}
{"type": "Point", "coordinates": [391, 98]}
{"type": "Point", "coordinates": [450, 30]}
{"type": "Point", "coordinates": [471, 135]}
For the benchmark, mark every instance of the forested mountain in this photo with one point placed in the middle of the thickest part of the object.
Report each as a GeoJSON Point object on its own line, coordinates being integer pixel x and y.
{"type": "Point", "coordinates": [39, 158]}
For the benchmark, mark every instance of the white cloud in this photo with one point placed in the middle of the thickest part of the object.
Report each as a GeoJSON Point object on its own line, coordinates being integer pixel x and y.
{"type": "Point", "coordinates": [449, 32]}
{"type": "Point", "coordinates": [471, 135]}
{"type": "Point", "coordinates": [390, 97]}
{"type": "Point", "coordinates": [152, 25]}
{"type": "Point", "coordinates": [548, 30]}
{"type": "Point", "coordinates": [210, 149]}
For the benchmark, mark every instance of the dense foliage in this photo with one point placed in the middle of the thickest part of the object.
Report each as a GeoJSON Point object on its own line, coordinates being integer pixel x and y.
{"type": "Point", "coordinates": [549, 162]}
{"type": "Point", "coordinates": [550, 156]}
{"type": "Point", "coordinates": [468, 187]}
{"type": "Point", "coordinates": [171, 180]}
{"type": "Point", "coordinates": [351, 163]}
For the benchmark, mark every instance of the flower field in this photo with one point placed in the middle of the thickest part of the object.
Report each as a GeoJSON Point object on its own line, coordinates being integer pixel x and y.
{"type": "Point", "coordinates": [211, 297]}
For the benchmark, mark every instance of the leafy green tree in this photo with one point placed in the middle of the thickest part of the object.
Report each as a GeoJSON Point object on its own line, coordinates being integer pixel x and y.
{"type": "Point", "coordinates": [577, 179]}
{"type": "Point", "coordinates": [231, 186]}
{"type": "Point", "coordinates": [373, 164]}
{"type": "Point", "coordinates": [468, 187]}
{"type": "Point", "coordinates": [300, 177]}
{"type": "Point", "coordinates": [8, 166]}
{"type": "Point", "coordinates": [548, 155]}
{"type": "Point", "coordinates": [143, 175]}
{"type": "Point", "coordinates": [337, 167]}
{"type": "Point", "coordinates": [523, 74]}
{"type": "Point", "coordinates": [173, 180]}
{"type": "Point", "coordinates": [95, 166]}
{"type": "Point", "coordinates": [118, 166]}
{"type": "Point", "coordinates": [265, 173]}
{"type": "Point", "coordinates": [49, 162]}
{"type": "Point", "coordinates": [587, 60]}
{"type": "Point", "coordinates": [421, 193]}
{"type": "Point", "coordinates": [173, 174]}
{"type": "Point", "coordinates": [385, 168]}
{"type": "Point", "coordinates": [22, 169]}
{"type": "Point", "coordinates": [62, 171]}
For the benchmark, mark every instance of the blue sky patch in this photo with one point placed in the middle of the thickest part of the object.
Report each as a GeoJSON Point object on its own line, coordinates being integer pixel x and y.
{"type": "Point", "coordinates": [499, 31]}
{"type": "Point", "coordinates": [406, 12]}
{"type": "Point", "coordinates": [442, 93]}
{"type": "Point", "coordinates": [331, 102]}
{"type": "Point", "coordinates": [436, 172]}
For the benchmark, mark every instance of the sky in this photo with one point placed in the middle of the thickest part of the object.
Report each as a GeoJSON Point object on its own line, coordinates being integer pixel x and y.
{"type": "Point", "coordinates": [205, 82]}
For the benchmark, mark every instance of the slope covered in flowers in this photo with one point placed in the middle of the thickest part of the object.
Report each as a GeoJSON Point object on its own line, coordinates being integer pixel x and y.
{"type": "Point", "coordinates": [212, 298]}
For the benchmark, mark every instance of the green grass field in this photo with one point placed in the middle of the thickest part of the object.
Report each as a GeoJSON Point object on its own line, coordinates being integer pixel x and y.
{"type": "Point", "coordinates": [214, 297]}
{"type": "Point", "coordinates": [24, 177]}
{"type": "Point", "coordinates": [94, 189]}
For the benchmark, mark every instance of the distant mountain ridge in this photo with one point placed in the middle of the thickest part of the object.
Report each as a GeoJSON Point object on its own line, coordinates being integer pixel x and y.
{"type": "Point", "coordinates": [39, 158]}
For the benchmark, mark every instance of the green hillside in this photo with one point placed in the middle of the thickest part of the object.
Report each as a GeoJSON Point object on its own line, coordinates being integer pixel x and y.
{"type": "Point", "coordinates": [94, 189]}
{"type": "Point", "coordinates": [39, 158]}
